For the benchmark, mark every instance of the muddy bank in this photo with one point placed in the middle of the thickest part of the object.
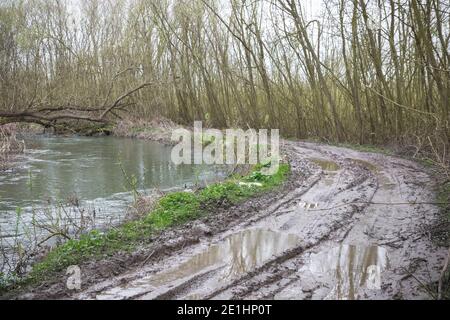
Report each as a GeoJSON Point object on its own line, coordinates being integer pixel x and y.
{"type": "Point", "coordinates": [346, 225]}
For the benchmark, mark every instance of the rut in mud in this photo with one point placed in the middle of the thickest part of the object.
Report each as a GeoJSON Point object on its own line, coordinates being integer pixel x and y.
{"type": "Point", "coordinates": [349, 225]}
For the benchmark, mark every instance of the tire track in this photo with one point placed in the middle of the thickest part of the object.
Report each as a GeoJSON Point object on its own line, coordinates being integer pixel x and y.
{"type": "Point", "coordinates": [326, 211]}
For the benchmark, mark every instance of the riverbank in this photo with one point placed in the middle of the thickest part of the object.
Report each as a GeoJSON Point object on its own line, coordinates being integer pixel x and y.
{"type": "Point", "coordinates": [159, 129]}
{"type": "Point", "coordinates": [135, 239]}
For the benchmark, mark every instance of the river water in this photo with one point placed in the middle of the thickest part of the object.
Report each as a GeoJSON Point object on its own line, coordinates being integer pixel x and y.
{"type": "Point", "coordinates": [95, 173]}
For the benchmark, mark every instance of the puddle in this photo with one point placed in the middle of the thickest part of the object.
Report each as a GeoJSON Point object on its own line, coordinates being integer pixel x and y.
{"type": "Point", "coordinates": [366, 164]}
{"type": "Point", "coordinates": [308, 205]}
{"type": "Point", "coordinates": [349, 269]}
{"type": "Point", "coordinates": [386, 183]}
{"type": "Point", "coordinates": [326, 165]}
{"type": "Point", "coordinates": [235, 255]}
{"type": "Point", "coordinates": [215, 267]}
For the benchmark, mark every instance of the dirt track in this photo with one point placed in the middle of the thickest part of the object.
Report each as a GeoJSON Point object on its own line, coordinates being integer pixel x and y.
{"type": "Point", "coordinates": [348, 225]}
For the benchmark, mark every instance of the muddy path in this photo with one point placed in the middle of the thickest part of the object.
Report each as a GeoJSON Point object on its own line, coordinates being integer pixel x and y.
{"type": "Point", "coordinates": [347, 225]}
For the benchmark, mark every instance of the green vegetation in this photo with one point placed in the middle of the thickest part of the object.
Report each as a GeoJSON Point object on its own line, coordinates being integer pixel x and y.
{"type": "Point", "coordinates": [366, 72]}
{"type": "Point", "coordinates": [171, 210]}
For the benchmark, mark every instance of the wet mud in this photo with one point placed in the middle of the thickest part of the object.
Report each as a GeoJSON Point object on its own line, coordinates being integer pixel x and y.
{"type": "Point", "coordinates": [346, 225]}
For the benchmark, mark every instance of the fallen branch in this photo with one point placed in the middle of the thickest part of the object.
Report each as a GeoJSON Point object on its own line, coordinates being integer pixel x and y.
{"type": "Point", "coordinates": [58, 234]}
{"type": "Point", "coordinates": [48, 115]}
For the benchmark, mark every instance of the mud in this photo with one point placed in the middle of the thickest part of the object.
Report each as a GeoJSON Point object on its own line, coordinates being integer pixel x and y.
{"type": "Point", "coordinates": [232, 257]}
{"type": "Point", "coordinates": [326, 165]}
{"type": "Point", "coordinates": [348, 269]}
{"type": "Point", "coordinates": [353, 225]}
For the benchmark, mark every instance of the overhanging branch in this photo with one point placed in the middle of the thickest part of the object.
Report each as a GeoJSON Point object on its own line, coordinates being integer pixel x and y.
{"type": "Point", "coordinates": [49, 115]}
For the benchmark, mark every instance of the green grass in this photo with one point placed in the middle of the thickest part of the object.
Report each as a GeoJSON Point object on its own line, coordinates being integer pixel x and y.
{"type": "Point", "coordinates": [173, 209]}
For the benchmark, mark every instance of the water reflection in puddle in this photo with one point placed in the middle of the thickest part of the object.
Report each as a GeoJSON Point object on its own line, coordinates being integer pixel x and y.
{"type": "Point", "coordinates": [237, 254]}
{"type": "Point", "coordinates": [349, 269]}
{"type": "Point", "coordinates": [326, 164]}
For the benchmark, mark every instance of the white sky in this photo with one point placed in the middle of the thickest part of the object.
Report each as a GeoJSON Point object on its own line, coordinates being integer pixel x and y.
{"type": "Point", "coordinates": [312, 6]}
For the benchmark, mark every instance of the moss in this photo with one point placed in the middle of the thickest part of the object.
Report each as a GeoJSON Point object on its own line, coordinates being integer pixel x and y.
{"type": "Point", "coordinates": [173, 209]}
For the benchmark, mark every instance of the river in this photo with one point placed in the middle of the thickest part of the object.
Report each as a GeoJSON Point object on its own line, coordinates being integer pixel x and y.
{"type": "Point", "coordinates": [93, 173]}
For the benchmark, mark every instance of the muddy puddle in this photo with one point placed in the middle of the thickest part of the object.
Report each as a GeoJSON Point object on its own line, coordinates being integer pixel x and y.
{"type": "Point", "coordinates": [386, 183]}
{"type": "Point", "coordinates": [326, 165]}
{"type": "Point", "coordinates": [368, 165]}
{"type": "Point", "coordinates": [234, 256]}
{"type": "Point", "coordinates": [238, 253]}
{"type": "Point", "coordinates": [329, 182]}
{"type": "Point", "coordinates": [308, 205]}
{"type": "Point", "coordinates": [348, 270]}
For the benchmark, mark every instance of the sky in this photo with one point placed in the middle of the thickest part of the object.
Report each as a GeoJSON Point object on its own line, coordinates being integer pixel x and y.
{"type": "Point", "coordinates": [312, 6]}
